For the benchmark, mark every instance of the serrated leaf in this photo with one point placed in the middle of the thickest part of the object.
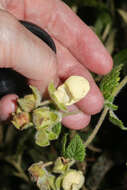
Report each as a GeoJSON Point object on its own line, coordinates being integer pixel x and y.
{"type": "Point", "coordinates": [116, 121]}
{"type": "Point", "coordinates": [110, 82]}
{"type": "Point", "coordinates": [76, 149]}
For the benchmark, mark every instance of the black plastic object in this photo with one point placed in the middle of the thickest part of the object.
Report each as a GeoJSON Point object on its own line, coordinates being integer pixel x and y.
{"type": "Point", "coordinates": [13, 82]}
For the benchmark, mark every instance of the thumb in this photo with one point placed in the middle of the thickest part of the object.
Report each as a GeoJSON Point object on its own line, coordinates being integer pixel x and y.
{"type": "Point", "coordinates": [26, 53]}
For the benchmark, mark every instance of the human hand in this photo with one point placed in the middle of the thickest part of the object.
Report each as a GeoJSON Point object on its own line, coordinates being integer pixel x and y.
{"type": "Point", "coordinates": [78, 49]}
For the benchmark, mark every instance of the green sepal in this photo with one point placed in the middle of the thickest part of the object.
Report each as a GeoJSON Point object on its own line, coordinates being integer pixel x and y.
{"type": "Point", "coordinates": [41, 138]}
{"type": "Point", "coordinates": [21, 120]}
{"type": "Point", "coordinates": [27, 103]}
{"type": "Point", "coordinates": [54, 132]}
{"type": "Point", "coordinates": [37, 95]}
{"type": "Point", "coordinates": [62, 165]}
{"type": "Point", "coordinates": [58, 182]}
{"type": "Point", "coordinates": [44, 117]}
{"type": "Point", "coordinates": [51, 90]}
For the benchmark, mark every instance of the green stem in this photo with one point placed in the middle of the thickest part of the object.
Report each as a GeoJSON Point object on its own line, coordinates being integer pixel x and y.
{"type": "Point", "coordinates": [97, 127]}
{"type": "Point", "coordinates": [119, 87]}
{"type": "Point", "coordinates": [104, 113]}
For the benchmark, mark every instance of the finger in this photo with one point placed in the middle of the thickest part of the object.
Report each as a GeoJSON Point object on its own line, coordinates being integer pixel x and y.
{"type": "Point", "coordinates": [67, 66]}
{"type": "Point", "coordinates": [26, 53]}
{"type": "Point", "coordinates": [59, 19]}
{"type": "Point", "coordinates": [76, 121]}
{"type": "Point", "coordinates": [7, 106]}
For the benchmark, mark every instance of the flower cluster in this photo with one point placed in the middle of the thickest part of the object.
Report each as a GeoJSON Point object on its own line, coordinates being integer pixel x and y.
{"type": "Point", "coordinates": [67, 179]}
{"type": "Point", "coordinates": [46, 116]}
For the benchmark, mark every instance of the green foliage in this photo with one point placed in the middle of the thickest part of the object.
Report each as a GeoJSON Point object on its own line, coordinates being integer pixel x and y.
{"type": "Point", "coordinates": [64, 142]}
{"type": "Point", "coordinates": [116, 121]}
{"type": "Point", "coordinates": [110, 82]}
{"type": "Point", "coordinates": [76, 149]}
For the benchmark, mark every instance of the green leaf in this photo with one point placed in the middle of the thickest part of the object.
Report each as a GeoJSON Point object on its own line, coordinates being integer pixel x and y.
{"type": "Point", "coordinates": [116, 121]}
{"type": "Point", "coordinates": [37, 95]}
{"type": "Point", "coordinates": [64, 142]}
{"type": "Point", "coordinates": [110, 82]}
{"type": "Point", "coordinates": [76, 149]}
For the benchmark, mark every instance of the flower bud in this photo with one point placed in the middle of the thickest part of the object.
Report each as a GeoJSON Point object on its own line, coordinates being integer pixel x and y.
{"type": "Point", "coordinates": [43, 117]}
{"type": "Point", "coordinates": [21, 120]}
{"type": "Point", "coordinates": [74, 89]}
{"type": "Point", "coordinates": [73, 180]}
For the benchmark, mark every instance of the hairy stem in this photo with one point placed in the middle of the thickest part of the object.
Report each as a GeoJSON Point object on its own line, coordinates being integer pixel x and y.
{"type": "Point", "coordinates": [104, 113]}
{"type": "Point", "coordinates": [97, 127]}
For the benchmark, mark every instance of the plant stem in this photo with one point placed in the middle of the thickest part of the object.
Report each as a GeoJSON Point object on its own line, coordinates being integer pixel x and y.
{"type": "Point", "coordinates": [20, 173]}
{"type": "Point", "coordinates": [105, 111]}
{"type": "Point", "coordinates": [97, 127]}
{"type": "Point", "coordinates": [119, 87]}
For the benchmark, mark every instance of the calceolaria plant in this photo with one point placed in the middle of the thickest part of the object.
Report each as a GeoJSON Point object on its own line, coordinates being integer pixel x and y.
{"type": "Point", "coordinates": [46, 116]}
{"type": "Point", "coordinates": [66, 178]}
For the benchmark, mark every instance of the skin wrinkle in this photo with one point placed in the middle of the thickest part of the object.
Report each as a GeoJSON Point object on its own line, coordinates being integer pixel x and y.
{"type": "Point", "coordinates": [48, 7]}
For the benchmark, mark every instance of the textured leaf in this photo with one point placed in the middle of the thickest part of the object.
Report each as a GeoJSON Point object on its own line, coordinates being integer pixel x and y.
{"type": "Point", "coordinates": [76, 149]}
{"type": "Point", "coordinates": [116, 121]}
{"type": "Point", "coordinates": [110, 82]}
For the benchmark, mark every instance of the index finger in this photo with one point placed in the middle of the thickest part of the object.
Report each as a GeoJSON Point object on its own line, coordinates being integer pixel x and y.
{"type": "Point", "coordinates": [67, 28]}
